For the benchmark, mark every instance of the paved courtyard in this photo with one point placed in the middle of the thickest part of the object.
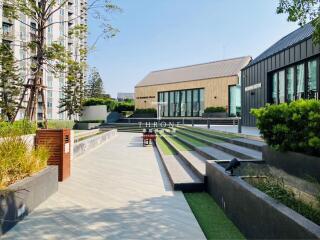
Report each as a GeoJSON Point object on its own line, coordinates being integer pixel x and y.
{"type": "Point", "coordinates": [117, 191]}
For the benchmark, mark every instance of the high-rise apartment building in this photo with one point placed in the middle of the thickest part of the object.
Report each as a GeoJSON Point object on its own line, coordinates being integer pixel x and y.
{"type": "Point", "coordinates": [18, 35]}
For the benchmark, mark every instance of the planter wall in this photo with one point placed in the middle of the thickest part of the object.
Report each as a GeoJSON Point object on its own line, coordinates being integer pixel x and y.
{"type": "Point", "coordinates": [86, 126]}
{"type": "Point", "coordinates": [144, 115]}
{"type": "Point", "coordinates": [81, 147]}
{"type": "Point", "coordinates": [97, 112]}
{"type": "Point", "coordinates": [297, 164]}
{"type": "Point", "coordinates": [25, 195]}
{"type": "Point", "coordinates": [215, 115]}
{"type": "Point", "coordinates": [257, 215]}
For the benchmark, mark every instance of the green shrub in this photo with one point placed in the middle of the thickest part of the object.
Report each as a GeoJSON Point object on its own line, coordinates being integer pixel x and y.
{"type": "Point", "coordinates": [124, 107]}
{"type": "Point", "coordinates": [145, 111]}
{"type": "Point", "coordinates": [275, 188]}
{"type": "Point", "coordinates": [215, 109]}
{"type": "Point", "coordinates": [291, 127]}
{"type": "Point", "coordinates": [112, 105]}
{"type": "Point", "coordinates": [91, 121]}
{"type": "Point", "coordinates": [17, 161]}
{"type": "Point", "coordinates": [58, 124]}
{"type": "Point", "coordinates": [21, 127]}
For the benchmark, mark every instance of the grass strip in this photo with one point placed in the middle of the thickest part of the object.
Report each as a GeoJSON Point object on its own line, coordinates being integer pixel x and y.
{"type": "Point", "coordinates": [191, 140]}
{"type": "Point", "coordinates": [212, 220]}
{"type": "Point", "coordinates": [214, 132]}
{"type": "Point", "coordinates": [210, 139]}
{"type": "Point", "coordinates": [178, 144]}
{"type": "Point", "coordinates": [164, 147]}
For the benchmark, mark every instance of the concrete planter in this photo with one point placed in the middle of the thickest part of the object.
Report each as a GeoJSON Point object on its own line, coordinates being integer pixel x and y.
{"type": "Point", "coordinates": [215, 115]}
{"type": "Point", "coordinates": [81, 147]}
{"type": "Point", "coordinates": [24, 196]}
{"type": "Point", "coordinates": [257, 215]}
{"type": "Point", "coordinates": [86, 126]}
{"type": "Point", "coordinates": [144, 115]}
{"type": "Point", "coordinates": [297, 164]}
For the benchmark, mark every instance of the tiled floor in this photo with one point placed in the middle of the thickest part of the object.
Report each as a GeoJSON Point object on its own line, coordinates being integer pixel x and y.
{"type": "Point", "coordinates": [117, 191]}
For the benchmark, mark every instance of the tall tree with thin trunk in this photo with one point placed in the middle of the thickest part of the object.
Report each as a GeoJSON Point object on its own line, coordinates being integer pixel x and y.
{"type": "Point", "coordinates": [54, 57]}
{"type": "Point", "coordinates": [302, 12]}
{"type": "Point", "coordinates": [10, 83]}
{"type": "Point", "coordinates": [95, 85]}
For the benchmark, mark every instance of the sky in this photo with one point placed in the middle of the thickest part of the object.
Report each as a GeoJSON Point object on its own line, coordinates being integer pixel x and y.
{"type": "Point", "coordinates": [160, 34]}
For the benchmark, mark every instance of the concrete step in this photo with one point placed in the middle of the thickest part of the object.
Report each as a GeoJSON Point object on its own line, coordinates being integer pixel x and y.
{"type": "Point", "coordinates": [181, 177]}
{"type": "Point", "coordinates": [194, 160]}
{"type": "Point", "coordinates": [229, 148]}
{"type": "Point", "coordinates": [244, 142]}
{"type": "Point", "coordinates": [208, 152]}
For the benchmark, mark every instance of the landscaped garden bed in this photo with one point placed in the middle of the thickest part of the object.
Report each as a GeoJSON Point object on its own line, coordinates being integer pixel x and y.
{"type": "Point", "coordinates": [25, 179]}
{"type": "Point", "coordinates": [260, 207]}
{"type": "Point", "coordinates": [292, 132]}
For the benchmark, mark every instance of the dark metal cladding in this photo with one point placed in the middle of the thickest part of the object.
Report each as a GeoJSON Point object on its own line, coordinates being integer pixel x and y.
{"type": "Point", "coordinates": [295, 48]}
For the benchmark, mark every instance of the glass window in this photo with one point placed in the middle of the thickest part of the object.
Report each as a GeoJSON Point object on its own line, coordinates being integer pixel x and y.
{"type": "Point", "coordinates": [275, 88]}
{"type": "Point", "coordinates": [195, 108]}
{"type": "Point", "coordinates": [183, 103]}
{"type": "Point", "coordinates": [177, 103]}
{"type": "Point", "coordinates": [234, 101]}
{"type": "Point", "coordinates": [312, 79]}
{"type": "Point", "coordinates": [300, 81]}
{"type": "Point", "coordinates": [189, 102]}
{"type": "Point", "coordinates": [290, 84]}
{"type": "Point", "coordinates": [201, 102]}
{"type": "Point", "coordinates": [282, 85]}
{"type": "Point", "coordinates": [166, 107]}
{"type": "Point", "coordinates": [49, 94]}
{"type": "Point", "coordinates": [171, 104]}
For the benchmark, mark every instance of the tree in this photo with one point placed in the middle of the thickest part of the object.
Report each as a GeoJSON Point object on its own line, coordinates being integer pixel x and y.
{"type": "Point", "coordinates": [73, 91]}
{"type": "Point", "coordinates": [95, 85]}
{"type": "Point", "coordinates": [302, 11]}
{"type": "Point", "coordinates": [54, 57]}
{"type": "Point", "coordinates": [10, 83]}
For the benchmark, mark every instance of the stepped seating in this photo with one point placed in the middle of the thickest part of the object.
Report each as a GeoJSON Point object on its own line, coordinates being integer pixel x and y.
{"type": "Point", "coordinates": [181, 176]}
{"type": "Point", "coordinates": [231, 148]}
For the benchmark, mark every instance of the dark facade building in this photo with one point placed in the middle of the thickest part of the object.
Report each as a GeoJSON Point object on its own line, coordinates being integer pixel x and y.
{"type": "Point", "coordinates": [287, 71]}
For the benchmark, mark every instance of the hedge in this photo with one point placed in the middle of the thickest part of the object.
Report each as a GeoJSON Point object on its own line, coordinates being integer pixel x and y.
{"type": "Point", "coordinates": [111, 104]}
{"type": "Point", "coordinates": [291, 127]}
{"type": "Point", "coordinates": [215, 109]}
{"type": "Point", "coordinates": [144, 111]}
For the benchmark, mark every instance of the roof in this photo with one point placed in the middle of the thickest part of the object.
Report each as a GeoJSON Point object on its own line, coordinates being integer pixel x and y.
{"type": "Point", "coordinates": [223, 68]}
{"type": "Point", "coordinates": [291, 39]}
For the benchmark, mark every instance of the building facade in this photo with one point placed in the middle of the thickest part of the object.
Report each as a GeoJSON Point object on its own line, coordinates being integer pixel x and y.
{"type": "Point", "coordinates": [287, 71]}
{"type": "Point", "coordinates": [187, 91]}
{"type": "Point", "coordinates": [17, 35]}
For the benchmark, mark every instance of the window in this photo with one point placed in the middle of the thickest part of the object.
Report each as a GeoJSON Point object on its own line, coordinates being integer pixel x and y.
{"type": "Point", "coordinates": [275, 88]}
{"type": "Point", "coordinates": [312, 79]}
{"type": "Point", "coordinates": [6, 28]}
{"type": "Point", "coordinates": [177, 103]}
{"type": "Point", "coordinates": [189, 102]}
{"type": "Point", "coordinates": [166, 107]}
{"type": "Point", "coordinates": [201, 102]}
{"type": "Point", "coordinates": [195, 107]}
{"type": "Point", "coordinates": [290, 84]}
{"type": "Point", "coordinates": [171, 104]}
{"type": "Point", "coordinates": [49, 104]}
{"type": "Point", "coordinates": [183, 103]}
{"type": "Point", "coordinates": [49, 93]}
{"type": "Point", "coordinates": [300, 81]}
{"type": "Point", "coordinates": [282, 85]}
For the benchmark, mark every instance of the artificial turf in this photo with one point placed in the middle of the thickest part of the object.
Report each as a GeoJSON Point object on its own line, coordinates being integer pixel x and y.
{"type": "Point", "coordinates": [199, 135]}
{"type": "Point", "coordinates": [213, 132]}
{"type": "Point", "coordinates": [191, 140]}
{"type": "Point", "coordinates": [212, 220]}
{"type": "Point", "coordinates": [164, 147]}
{"type": "Point", "coordinates": [178, 144]}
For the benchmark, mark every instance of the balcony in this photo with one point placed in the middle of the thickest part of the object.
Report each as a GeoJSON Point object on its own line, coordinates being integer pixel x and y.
{"type": "Point", "coordinates": [8, 36]}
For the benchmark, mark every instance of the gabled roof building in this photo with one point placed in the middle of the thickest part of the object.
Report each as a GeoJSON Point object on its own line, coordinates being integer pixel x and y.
{"type": "Point", "coordinates": [188, 90]}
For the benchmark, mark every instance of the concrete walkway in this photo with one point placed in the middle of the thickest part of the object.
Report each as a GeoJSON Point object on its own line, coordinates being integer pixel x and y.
{"type": "Point", "coordinates": [117, 191]}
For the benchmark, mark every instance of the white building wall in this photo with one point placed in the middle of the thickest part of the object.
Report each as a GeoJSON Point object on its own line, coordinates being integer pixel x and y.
{"type": "Point", "coordinates": [57, 32]}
